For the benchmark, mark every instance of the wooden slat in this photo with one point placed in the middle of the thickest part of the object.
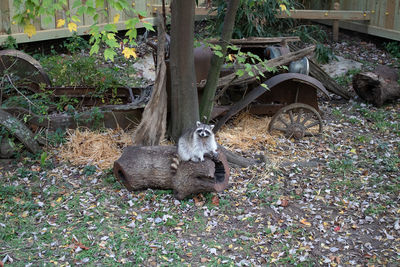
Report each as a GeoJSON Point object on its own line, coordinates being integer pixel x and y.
{"type": "Point", "coordinates": [63, 32]}
{"type": "Point", "coordinates": [390, 13]}
{"type": "Point", "coordinates": [367, 29]}
{"type": "Point", "coordinates": [199, 11]}
{"type": "Point", "coordinates": [326, 14]}
{"type": "Point", "coordinates": [73, 12]}
{"type": "Point", "coordinates": [4, 17]}
{"type": "Point", "coordinates": [14, 28]}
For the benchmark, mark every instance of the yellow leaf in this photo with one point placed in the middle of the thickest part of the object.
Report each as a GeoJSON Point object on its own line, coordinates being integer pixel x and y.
{"type": "Point", "coordinates": [353, 151]}
{"type": "Point", "coordinates": [282, 7]}
{"type": "Point", "coordinates": [116, 18]}
{"type": "Point", "coordinates": [304, 221]}
{"type": "Point", "coordinates": [60, 23]}
{"type": "Point", "coordinates": [128, 52]}
{"type": "Point", "coordinates": [231, 57]}
{"type": "Point", "coordinates": [59, 199]}
{"type": "Point", "coordinates": [25, 214]}
{"type": "Point", "coordinates": [72, 27]}
{"type": "Point", "coordinates": [110, 36]}
{"type": "Point", "coordinates": [30, 30]}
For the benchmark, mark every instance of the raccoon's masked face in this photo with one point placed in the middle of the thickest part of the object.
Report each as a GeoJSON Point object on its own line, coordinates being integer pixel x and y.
{"type": "Point", "coordinates": [204, 130]}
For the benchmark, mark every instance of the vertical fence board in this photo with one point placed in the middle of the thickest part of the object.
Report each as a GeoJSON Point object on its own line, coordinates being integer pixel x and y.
{"type": "Point", "coordinates": [390, 12]}
{"type": "Point", "coordinates": [73, 11]}
{"type": "Point", "coordinates": [397, 17]}
{"type": "Point", "coordinates": [4, 17]}
{"type": "Point", "coordinates": [14, 28]}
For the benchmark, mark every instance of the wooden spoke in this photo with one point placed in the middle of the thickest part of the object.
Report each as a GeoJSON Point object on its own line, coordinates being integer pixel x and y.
{"type": "Point", "coordinates": [292, 119]}
{"type": "Point", "coordinates": [291, 116]}
{"type": "Point", "coordinates": [299, 115]}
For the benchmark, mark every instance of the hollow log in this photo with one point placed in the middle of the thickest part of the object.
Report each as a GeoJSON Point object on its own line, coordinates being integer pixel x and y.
{"type": "Point", "coordinates": [142, 167]}
{"type": "Point", "coordinates": [375, 89]}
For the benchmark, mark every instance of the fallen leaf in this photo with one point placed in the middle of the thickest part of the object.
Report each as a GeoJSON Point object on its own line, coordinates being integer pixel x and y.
{"type": "Point", "coordinates": [284, 202]}
{"type": "Point", "coordinates": [215, 200]}
{"type": "Point", "coordinates": [304, 221]}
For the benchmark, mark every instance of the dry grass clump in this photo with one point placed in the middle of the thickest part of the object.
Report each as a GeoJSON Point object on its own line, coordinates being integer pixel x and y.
{"type": "Point", "coordinates": [95, 148]}
{"type": "Point", "coordinates": [246, 132]}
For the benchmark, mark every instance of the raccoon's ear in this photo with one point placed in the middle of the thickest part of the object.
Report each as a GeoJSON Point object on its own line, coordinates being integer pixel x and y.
{"type": "Point", "coordinates": [212, 126]}
{"type": "Point", "coordinates": [198, 123]}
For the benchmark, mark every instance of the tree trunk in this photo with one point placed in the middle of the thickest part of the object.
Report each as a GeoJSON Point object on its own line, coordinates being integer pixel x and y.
{"type": "Point", "coordinates": [184, 99]}
{"type": "Point", "coordinates": [375, 89]}
{"type": "Point", "coordinates": [152, 127]}
{"type": "Point", "coordinates": [207, 100]}
{"type": "Point", "coordinates": [142, 167]}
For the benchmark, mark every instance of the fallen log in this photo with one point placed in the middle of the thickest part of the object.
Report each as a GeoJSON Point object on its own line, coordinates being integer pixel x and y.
{"type": "Point", "coordinates": [18, 129]}
{"type": "Point", "coordinates": [375, 89]}
{"type": "Point", "coordinates": [142, 167]}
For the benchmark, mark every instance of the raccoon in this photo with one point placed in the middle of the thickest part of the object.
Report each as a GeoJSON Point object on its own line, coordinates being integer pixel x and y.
{"type": "Point", "coordinates": [195, 143]}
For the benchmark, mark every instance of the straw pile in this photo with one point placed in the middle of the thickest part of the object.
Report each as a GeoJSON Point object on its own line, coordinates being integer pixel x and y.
{"type": "Point", "coordinates": [246, 132]}
{"type": "Point", "coordinates": [95, 148]}
{"type": "Point", "coordinates": [84, 147]}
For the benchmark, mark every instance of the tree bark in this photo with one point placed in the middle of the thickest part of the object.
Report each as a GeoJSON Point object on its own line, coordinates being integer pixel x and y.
{"type": "Point", "coordinates": [207, 100]}
{"type": "Point", "coordinates": [19, 129]}
{"type": "Point", "coordinates": [375, 89]}
{"type": "Point", "coordinates": [152, 127]}
{"type": "Point", "coordinates": [184, 99]}
{"type": "Point", "coordinates": [142, 167]}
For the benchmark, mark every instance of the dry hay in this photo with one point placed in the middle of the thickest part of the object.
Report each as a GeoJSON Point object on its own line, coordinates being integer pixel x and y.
{"type": "Point", "coordinates": [85, 147]}
{"type": "Point", "coordinates": [246, 132]}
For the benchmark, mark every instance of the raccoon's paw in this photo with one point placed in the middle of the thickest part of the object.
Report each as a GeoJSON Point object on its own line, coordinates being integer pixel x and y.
{"type": "Point", "coordinates": [215, 154]}
{"type": "Point", "coordinates": [195, 159]}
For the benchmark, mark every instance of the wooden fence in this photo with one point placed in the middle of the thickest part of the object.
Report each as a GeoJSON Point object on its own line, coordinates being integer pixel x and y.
{"type": "Point", "coordinates": [375, 17]}
{"type": "Point", "coordinates": [384, 15]}
{"type": "Point", "coordinates": [50, 31]}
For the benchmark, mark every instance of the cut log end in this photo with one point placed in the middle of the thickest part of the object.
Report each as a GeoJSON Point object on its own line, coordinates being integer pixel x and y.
{"type": "Point", "coordinates": [375, 89]}
{"type": "Point", "coordinates": [142, 167]}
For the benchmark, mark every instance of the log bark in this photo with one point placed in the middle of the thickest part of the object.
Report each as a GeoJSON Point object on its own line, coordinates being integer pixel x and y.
{"type": "Point", "coordinates": [18, 129]}
{"type": "Point", "coordinates": [142, 167]}
{"type": "Point", "coordinates": [152, 127]}
{"type": "Point", "coordinates": [375, 89]}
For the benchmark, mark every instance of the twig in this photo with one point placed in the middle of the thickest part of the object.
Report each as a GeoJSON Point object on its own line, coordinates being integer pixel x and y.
{"type": "Point", "coordinates": [16, 89]}
{"type": "Point", "coordinates": [222, 91]}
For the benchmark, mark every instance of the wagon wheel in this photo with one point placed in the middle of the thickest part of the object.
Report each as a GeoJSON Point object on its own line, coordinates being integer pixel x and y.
{"type": "Point", "coordinates": [22, 70]}
{"type": "Point", "coordinates": [296, 120]}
